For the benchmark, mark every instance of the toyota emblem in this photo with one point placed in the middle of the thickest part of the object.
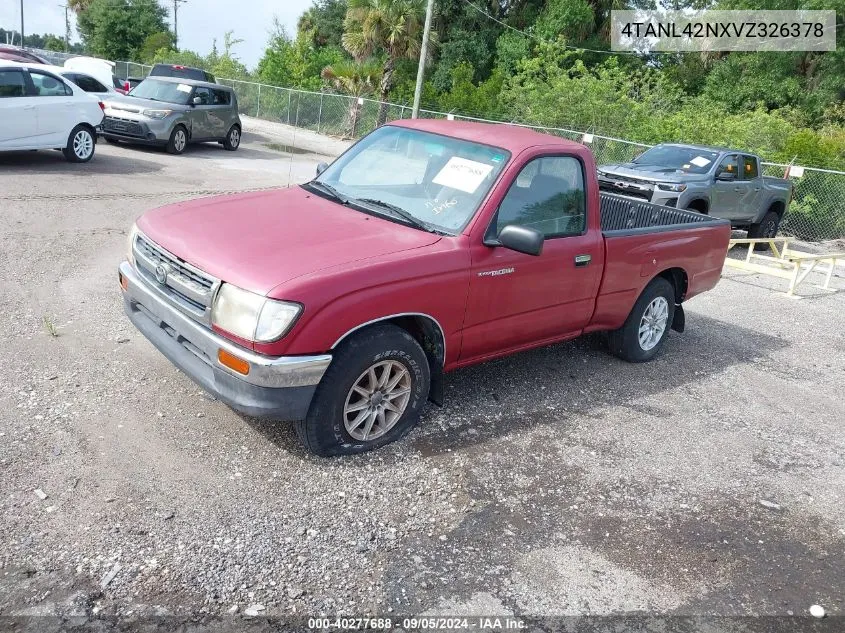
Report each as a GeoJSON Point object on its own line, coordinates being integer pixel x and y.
{"type": "Point", "coordinates": [161, 274]}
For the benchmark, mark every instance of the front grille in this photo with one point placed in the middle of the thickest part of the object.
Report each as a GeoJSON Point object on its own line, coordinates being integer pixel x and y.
{"type": "Point", "coordinates": [626, 186]}
{"type": "Point", "coordinates": [123, 126]}
{"type": "Point", "coordinates": [190, 288]}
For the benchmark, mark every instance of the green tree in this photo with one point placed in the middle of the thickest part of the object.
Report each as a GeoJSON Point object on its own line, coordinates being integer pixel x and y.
{"type": "Point", "coordinates": [322, 23]}
{"type": "Point", "coordinates": [296, 63]}
{"type": "Point", "coordinates": [356, 79]}
{"type": "Point", "coordinates": [388, 28]}
{"type": "Point", "coordinates": [117, 29]}
{"type": "Point", "coordinates": [154, 43]}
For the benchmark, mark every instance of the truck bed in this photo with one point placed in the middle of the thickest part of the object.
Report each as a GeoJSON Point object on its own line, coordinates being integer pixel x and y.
{"type": "Point", "coordinates": [621, 215]}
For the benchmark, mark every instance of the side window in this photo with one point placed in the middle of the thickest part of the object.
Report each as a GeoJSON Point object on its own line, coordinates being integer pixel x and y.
{"type": "Point", "coordinates": [88, 84]}
{"type": "Point", "coordinates": [221, 97]}
{"type": "Point", "coordinates": [205, 94]}
{"type": "Point", "coordinates": [547, 195]}
{"type": "Point", "coordinates": [728, 165]}
{"type": "Point", "coordinates": [12, 84]}
{"type": "Point", "coordinates": [48, 86]}
{"type": "Point", "coordinates": [750, 170]}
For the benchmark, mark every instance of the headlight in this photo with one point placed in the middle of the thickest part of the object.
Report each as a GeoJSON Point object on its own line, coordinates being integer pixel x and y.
{"type": "Point", "coordinates": [157, 114]}
{"type": "Point", "coordinates": [252, 317]}
{"type": "Point", "coordinates": [130, 243]}
{"type": "Point", "coordinates": [665, 186]}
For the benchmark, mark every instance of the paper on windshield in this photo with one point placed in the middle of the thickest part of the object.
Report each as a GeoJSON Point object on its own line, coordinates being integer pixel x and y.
{"type": "Point", "coordinates": [700, 161]}
{"type": "Point", "coordinates": [460, 173]}
{"type": "Point", "coordinates": [183, 88]}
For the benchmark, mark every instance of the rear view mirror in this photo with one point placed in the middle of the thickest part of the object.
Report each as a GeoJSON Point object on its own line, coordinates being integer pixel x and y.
{"type": "Point", "coordinates": [197, 101]}
{"type": "Point", "coordinates": [726, 176]}
{"type": "Point", "coordinates": [522, 239]}
{"type": "Point", "coordinates": [321, 167]}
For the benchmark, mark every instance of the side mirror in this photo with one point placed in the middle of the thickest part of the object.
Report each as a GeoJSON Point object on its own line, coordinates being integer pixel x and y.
{"type": "Point", "coordinates": [321, 167]}
{"type": "Point", "coordinates": [522, 239]}
{"type": "Point", "coordinates": [726, 176]}
{"type": "Point", "coordinates": [197, 101]}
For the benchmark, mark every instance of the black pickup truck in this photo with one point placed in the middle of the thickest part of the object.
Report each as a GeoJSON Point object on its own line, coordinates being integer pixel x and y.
{"type": "Point", "coordinates": [724, 183]}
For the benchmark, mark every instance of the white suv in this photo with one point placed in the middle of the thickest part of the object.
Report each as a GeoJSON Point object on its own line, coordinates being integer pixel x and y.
{"type": "Point", "coordinates": [41, 110]}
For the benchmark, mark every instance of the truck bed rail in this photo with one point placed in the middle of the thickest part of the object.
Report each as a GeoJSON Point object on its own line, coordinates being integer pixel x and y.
{"type": "Point", "coordinates": [621, 215]}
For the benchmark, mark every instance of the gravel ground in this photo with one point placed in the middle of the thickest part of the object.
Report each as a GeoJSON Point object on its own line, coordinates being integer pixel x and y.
{"type": "Point", "coordinates": [556, 482]}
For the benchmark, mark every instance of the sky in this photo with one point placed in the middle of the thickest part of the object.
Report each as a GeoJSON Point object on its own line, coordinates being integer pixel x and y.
{"type": "Point", "coordinates": [200, 21]}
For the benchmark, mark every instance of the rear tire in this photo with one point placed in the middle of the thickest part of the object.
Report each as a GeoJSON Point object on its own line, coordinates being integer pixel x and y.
{"type": "Point", "coordinates": [233, 138]}
{"type": "Point", "coordinates": [178, 140]}
{"type": "Point", "coordinates": [768, 227]}
{"type": "Point", "coordinates": [642, 336]}
{"type": "Point", "coordinates": [357, 407]}
{"type": "Point", "coordinates": [80, 145]}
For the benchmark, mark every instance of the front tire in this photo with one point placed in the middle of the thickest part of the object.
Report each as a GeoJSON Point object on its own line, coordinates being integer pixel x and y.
{"type": "Point", "coordinates": [80, 145]}
{"type": "Point", "coordinates": [178, 140]}
{"type": "Point", "coordinates": [233, 139]}
{"type": "Point", "coordinates": [372, 393]}
{"type": "Point", "coordinates": [644, 333]}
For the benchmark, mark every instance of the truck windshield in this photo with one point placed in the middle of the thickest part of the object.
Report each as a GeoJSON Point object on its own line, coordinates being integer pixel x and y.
{"type": "Point", "coordinates": [688, 159]}
{"type": "Point", "coordinates": [167, 91]}
{"type": "Point", "coordinates": [438, 180]}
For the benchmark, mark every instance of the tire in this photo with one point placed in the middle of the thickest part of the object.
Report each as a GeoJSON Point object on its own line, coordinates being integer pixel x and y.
{"type": "Point", "coordinates": [329, 429]}
{"type": "Point", "coordinates": [80, 144]}
{"type": "Point", "coordinates": [233, 138]}
{"type": "Point", "coordinates": [178, 140]}
{"type": "Point", "coordinates": [768, 227]}
{"type": "Point", "coordinates": [626, 342]}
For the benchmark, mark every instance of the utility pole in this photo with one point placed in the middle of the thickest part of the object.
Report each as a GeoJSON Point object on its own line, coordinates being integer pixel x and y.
{"type": "Point", "coordinates": [176, 22]}
{"type": "Point", "coordinates": [21, 23]}
{"type": "Point", "coordinates": [423, 53]}
{"type": "Point", "coordinates": [67, 27]}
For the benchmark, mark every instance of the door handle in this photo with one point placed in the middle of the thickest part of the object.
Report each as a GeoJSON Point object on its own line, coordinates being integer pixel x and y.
{"type": "Point", "coordinates": [737, 188]}
{"type": "Point", "coordinates": [29, 107]}
{"type": "Point", "coordinates": [583, 260]}
{"type": "Point", "coordinates": [756, 188]}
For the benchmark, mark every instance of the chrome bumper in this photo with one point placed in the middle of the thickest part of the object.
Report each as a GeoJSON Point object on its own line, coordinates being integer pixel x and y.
{"type": "Point", "coordinates": [204, 344]}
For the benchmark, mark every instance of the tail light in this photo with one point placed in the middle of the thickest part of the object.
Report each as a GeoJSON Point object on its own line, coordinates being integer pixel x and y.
{"type": "Point", "coordinates": [102, 106]}
{"type": "Point", "coordinates": [126, 86]}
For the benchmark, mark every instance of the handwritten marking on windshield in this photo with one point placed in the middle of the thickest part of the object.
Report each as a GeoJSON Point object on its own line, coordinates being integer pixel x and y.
{"type": "Point", "coordinates": [438, 208]}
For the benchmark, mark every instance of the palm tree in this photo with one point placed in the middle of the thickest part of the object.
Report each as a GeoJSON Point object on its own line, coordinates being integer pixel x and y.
{"type": "Point", "coordinates": [354, 79]}
{"type": "Point", "coordinates": [392, 27]}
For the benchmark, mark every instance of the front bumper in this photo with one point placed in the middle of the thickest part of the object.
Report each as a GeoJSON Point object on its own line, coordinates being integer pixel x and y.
{"type": "Point", "coordinates": [275, 387]}
{"type": "Point", "coordinates": [149, 131]}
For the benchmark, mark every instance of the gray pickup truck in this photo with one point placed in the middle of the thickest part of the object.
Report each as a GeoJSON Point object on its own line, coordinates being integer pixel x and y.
{"type": "Point", "coordinates": [724, 183]}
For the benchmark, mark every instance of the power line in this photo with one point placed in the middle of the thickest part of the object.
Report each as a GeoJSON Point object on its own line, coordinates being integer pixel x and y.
{"type": "Point", "coordinates": [539, 39]}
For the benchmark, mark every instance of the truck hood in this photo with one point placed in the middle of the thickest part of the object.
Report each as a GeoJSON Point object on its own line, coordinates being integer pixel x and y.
{"type": "Point", "coordinates": [135, 105]}
{"type": "Point", "coordinates": [651, 173]}
{"type": "Point", "coordinates": [260, 240]}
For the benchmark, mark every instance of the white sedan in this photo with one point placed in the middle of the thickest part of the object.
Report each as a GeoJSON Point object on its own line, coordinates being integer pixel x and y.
{"type": "Point", "coordinates": [41, 110]}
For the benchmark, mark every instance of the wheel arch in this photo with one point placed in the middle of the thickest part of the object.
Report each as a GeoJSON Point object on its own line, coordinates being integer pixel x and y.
{"type": "Point", "coordinates": [680, 282]}
{"type": "Point", "coordinates": [428, 332]}
{"type": "Point", "coordinates": [701, 205]}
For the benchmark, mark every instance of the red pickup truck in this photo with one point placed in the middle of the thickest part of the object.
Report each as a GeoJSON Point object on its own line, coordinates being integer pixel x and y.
{"type": "Point", "coordinates": [426, 247]}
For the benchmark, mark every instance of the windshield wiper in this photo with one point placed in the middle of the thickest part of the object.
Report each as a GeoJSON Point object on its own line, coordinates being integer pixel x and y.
{"type": "Point", "coordinates": [408, 217]}
{"type": "Point", "coordinates": [334, 193]}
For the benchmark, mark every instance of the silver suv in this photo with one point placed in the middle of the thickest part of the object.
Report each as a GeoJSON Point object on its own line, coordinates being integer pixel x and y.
{"type": "Point", "coordinates": [174, 112]}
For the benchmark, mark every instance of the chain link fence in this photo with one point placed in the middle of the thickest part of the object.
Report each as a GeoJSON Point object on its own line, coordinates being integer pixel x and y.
{"type": "Point", "coordinates": [817, 211]}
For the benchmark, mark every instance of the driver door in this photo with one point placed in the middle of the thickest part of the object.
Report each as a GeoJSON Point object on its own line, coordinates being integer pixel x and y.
{"type": "Point", "coordinates": [203, 127]}
{"type": "Point", "coordinates": [727, 195]}
{"type": "Point", "coordinates": [515, 299]}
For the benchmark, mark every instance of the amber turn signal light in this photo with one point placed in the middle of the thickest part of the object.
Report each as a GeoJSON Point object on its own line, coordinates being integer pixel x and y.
{"type": "Point", "coordinates": [233, 362]}
{"type": "Point", "coordinates": [124, 282]}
